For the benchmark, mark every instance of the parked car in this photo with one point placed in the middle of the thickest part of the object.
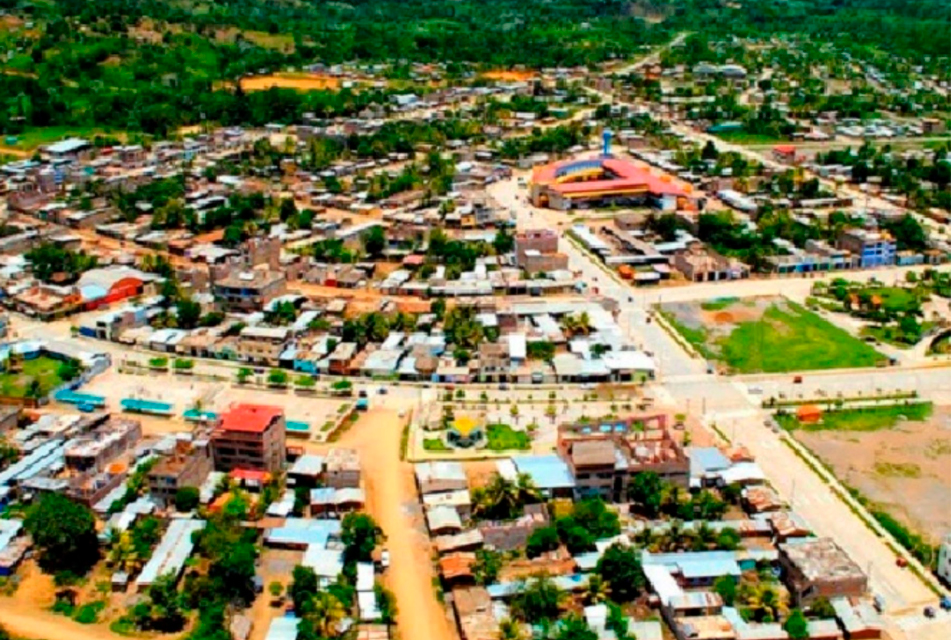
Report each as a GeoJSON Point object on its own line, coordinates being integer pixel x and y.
{"type": "Point", "coordinates": [929, 612]}
{"type": "Point", "coordinates": [879, 604]}
{"type": "Point", "coordinates": [946, 603]}
{"type": "Point", "coordinates": [385, 558]}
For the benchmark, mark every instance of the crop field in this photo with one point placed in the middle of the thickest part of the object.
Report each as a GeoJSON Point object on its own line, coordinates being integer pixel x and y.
{"type": "Point", "coordinates": [766, 335]}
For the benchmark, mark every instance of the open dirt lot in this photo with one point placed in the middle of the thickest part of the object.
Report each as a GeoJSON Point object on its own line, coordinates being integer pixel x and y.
{"type": "Point", "coordinates": [509, 76]}
{"type": "Point", "coordinates": [301, 82]}
{"type": "Point", "coordinates": [906, 469]}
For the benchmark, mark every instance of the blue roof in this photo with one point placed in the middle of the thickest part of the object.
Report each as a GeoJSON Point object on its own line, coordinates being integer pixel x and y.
{"type": "Point", "coordinates": [71, 397]}
{"type": "Point", "coordinates": [304, 532]}
{"type": "Point", "coordinates": [283, 628]}
{"type": "Point", "coordinates": [146, 406]}
{"type": "Point", "coordinates": [92, 292]}
{"type": "Point", "coordinates": [297, 426]}
{"type": "Point", "coordinates": [547, 472]}
{"type": "Point", "coordinates": [713, 568]}
{"type": "Point", "coordinates": [707, 459]}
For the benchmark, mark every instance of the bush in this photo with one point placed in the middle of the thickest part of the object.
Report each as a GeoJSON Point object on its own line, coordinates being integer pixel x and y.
{"type": "Point", "coordinates": [158, 363]}
{"type": "Point", "coordinates": [183, 364]}
{"type": "Point", "coordinates": [277, 377]}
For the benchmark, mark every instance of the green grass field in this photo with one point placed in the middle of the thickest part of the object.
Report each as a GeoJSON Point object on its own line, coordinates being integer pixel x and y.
{"type": "Point", "coordinates": [43, 369]}
{"type": "Point", "coordinates": [744, 137]}
{"type": "Point", "coordinates": [793, 339]}
{"type": "Point", "coordinates": [864, 419]}
{"type": "Point", "coordinates": [501, 437]}
{"type": "Point", "coordinates": [34, 138]}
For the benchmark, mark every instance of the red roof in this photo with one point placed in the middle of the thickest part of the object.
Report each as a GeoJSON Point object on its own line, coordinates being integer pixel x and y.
{"type": "Point", "coordinates": [253, 418]}
{"type": "Point", "coordinates": [627, 176]}
{"type": "Point", "coordinates": [785, 149]}
{"type": "Point", "coordinates": [251, 475]}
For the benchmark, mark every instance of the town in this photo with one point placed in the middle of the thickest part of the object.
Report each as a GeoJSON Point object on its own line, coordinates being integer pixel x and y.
{"type": "Point", "coordinates": [653, 347]}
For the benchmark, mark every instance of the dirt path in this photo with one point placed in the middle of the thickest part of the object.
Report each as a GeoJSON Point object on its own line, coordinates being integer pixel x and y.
{"type": "Point", "coordinates": [393, 502]}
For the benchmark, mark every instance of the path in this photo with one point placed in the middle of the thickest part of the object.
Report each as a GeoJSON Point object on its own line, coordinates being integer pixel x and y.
{"type": "Point", "coordinates": [392, 500]}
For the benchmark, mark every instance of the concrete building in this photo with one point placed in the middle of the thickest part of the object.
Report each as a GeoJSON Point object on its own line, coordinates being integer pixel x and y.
{"type": "Point", "coordinates": [248, 290]}
{"type": "Point", "coordinates": [816, 568]}
{"type": "Point", "coordinates": [187, 466]}
{"type": "Point", "coordinates": [250, 436]}
{"type": "Point", "coordinates": [93, 452]}
{"type": "Point", "coordinates": [263, 345]}
{"type": "Point", "coordinates": [604, 457]}
{"type": "Point", "coordinates": [342, 469]}
{"type": "Point", "coordinates": [874, 248]}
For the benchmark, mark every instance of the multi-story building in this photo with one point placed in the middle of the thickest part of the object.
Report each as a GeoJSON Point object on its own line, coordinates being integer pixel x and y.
{"type": "Point", "coordinates": [537, 250]}
{"type": "Point", "coordinates": [250, 436]}
{"type": "Point", "coordinates": [874, 248]}
{"type": "Point", "coordinates": [603, 457]}
{"type": "Point", "coordinates": [248, 290]}
{"type": "Point", "coordinates": [93, 452]}
{"type": "Point", "coordinates": [187, 466]}
{"type": "Point", "coordinates": [263, 345]}
{"type": "Point", "coordinates": [342, 469]}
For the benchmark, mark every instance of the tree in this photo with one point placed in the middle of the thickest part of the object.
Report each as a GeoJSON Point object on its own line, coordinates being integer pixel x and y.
{"type": "Point", "coordinates": [438, 308]}
{"type": "Point", "coordinates": [574, 627]}
{"type": "Point", "coordinates": [304, 585]}
{"type": "Point", "coordinates": [188, 313]}
{"type": "Point", "coordinates": [487, 565]}
{"type": "Point", "coordinates": [288, 209]}
{"type": "Point", "coordinates": [360, 534]}
{"type": "Point", "coordinates": [276, 589]}
{"type": "Point", "coordinates": [187, 499]}
{"type": "Point", "coordinates": [709, 151]}
{"type": "Point", "coordinates": [386, 602]}
{"type": "Point", "coordinates": [725, 586]}
{"type": "Point", "coordinates": [64, 534]}
{"type": "Point", "coordinates": [321, 616]}
{"type": "Point", "coordinates": [541, 541]}
{"type": "Point", "coordinates": [164, 610]}
{"type": "Point", "coordinates": [597, 590]}
{"type": "Point", "coordinates": [796, 625]}
{"type": "Point", "coordinates": [821, 608]}
{"type": "Point", "coordinates": [374, 241]}
{"type": "Point", "coordinates": [69, 369]}
{"type": "Point", "coordinates": [513, 411]}
{"type": "Point", "coordinates": [620, 568]}
{"type": "Point", "coordinates": [503, 242]}
{"type": "Point", "coordinates": [538, 599]}
{"type": "Point", "coordinates": [503, 499]}
{"type": "Point", "coordinates": [646, 491]}
{"type": "Point", "coordinates": [243, 374]}
{"type": "Point", "coordinates": [277, 377]}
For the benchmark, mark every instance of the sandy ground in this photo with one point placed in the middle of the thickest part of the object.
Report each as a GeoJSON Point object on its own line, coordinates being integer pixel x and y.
{"type": "Point", "coordinates": [304, 82]}
{"type": "Point", "coordinates": [906, 469]}
{"type": "Point", "coordinates": [26, 613]}
{"type": "Point", "coordinates": [392, 500]}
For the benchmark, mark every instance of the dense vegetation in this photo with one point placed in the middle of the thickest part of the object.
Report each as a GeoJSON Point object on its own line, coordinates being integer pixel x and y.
{"type": "Point", "coordinates": [154, 65]}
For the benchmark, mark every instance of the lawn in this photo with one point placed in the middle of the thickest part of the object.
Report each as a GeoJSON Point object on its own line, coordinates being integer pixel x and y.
{"type": "Point", "coordinates": [793, 339]}
{"type": "Point", "coordinates": [43, 369]}
{"type": "Point", "coordinates": [864, 419]}
{"type": "Point", "coordinates": [33, 138]}
{"type": "Point", "coordinates": [435, 444]}
{"type": "Point", "coordinates": [502, 437]}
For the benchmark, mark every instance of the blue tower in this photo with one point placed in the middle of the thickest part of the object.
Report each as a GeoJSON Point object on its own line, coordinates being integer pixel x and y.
{"type": "Point", "coordinates": [606, 149]}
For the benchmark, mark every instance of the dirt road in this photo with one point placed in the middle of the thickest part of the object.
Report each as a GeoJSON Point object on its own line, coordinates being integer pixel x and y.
{"type": "Point", "coordinates": [34, 624]}
{"type": "Point", "coordinates": [392, 501]}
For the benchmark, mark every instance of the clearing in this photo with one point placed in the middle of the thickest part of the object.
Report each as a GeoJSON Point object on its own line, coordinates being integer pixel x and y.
{"type": "Point", "coordinates": [509, 76]}
{"type": "Point", "coordinates": [766, 334]}
{"type": "Point", "coordinates": [904, 468]}
{"type": "Point", "coordinates": [863, 419]}
{"type": "Point", "coordinates": [299, 81]}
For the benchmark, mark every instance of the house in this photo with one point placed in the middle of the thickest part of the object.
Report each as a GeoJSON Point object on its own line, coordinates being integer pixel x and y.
{"type": "Point", "coordinates": [95, 451]}
{"type": "Point", "coordinates": [249, 290]}
{"type": "Point", "coordinates": [700, 264]}
{"type": "Point", "coordinates": [342, 469]}
{"type": "Point", "coordinates": [263, 345]}
{"type": "Point", "coordinates": [815, 568]}
{"type": "Point", "coordinates": [475, 614]}
{"type": "Point", "coordinates": [187, 466]}
{"type": "Point", "coordinates": [250, 436]}
{"type": "Point", "coordinates": [440, 477]}
{"type": "Point", "coordinates": [98, 287]}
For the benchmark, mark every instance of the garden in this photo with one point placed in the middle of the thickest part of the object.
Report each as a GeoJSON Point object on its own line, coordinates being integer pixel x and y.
{"type": "Point", "coordinates": [36, 377]}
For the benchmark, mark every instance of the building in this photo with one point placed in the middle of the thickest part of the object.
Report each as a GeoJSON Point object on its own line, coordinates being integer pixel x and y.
{"type": "Point", "coordinates": [603, 457]}
{"type": "Point", "coordinates": [93, 452]}
{"type": "Point", "coordinates": [874, 248]}
{"type": "Point", "coordinates": [536, 250]}
{"type": "Point", "coordinates": [187, 466]}
{"type": "Point", "coordinates": [249, 290]}
{"type": "Point", "coordinates": [99, 287]}
{"type": "Point", "coordinates": [816, 568]}
{"type": "Point", "coordinates": [603, 181]}
{"type": "Point", "coordinates": [702, 264]}
{"type": "Point", "coordinates": [250, 436]}
{"type": "Point", "coordinates": [342, 469]}
{"type": "Point", "coordinates": [263, 345]}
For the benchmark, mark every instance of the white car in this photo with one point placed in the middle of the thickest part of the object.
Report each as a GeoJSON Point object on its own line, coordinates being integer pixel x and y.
{"type": "Point", "coordinates": [385, 559]}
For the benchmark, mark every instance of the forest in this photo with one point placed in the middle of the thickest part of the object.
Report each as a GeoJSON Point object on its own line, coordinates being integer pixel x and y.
{"type": "Point", "coordinates": [152, 66]}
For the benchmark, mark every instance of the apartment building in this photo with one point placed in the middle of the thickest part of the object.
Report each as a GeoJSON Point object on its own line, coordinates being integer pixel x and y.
{"type": "Point", "coordinates": [874, 248]}
{"type": "Point", "coordinates": [187, 466]}
{"type": "Point", "coordinates": [536, 250]}
{"type": "Point", "coordinates": [263, 345]}
{"type": "Point", "coordinates": [820, 568]}
{"type": "Point", "coordinates": [250, 436]}
{"type": "Point", "coordinates": [248, 290]}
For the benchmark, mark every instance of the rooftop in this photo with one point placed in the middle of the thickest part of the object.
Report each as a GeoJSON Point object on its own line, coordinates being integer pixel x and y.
{"type": "Point", "coordinates": [821, 559]}
{"type": "Point", "coordinates": [249, 418]}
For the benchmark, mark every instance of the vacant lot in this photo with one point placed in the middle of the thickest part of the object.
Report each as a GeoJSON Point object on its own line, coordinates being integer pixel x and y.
{"type": "Point", "coordinates": [904, 466]}
{"type": "Point", "coordinates": [767, 334]}
{"type": "Point", "coordinates": [864, 419]}
{"type": "Point", "coordinates": [299, 81]}
{"type": "Point", "coordinates": [44, 370]}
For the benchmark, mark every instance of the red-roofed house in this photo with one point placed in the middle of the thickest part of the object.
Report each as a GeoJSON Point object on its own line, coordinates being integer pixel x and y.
{"type": "Point", "coordinates": [785, 153]}
{"type": "Point", "coordinates": [250, 436]}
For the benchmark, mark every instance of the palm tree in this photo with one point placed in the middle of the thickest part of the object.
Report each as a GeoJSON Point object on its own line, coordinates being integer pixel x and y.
{"type": "Point", "coordinates": [514, 413]}
{"type": "Point", "coordinates": [551, 412]}
{"type": "Point", "coordinates": [527, 491]}
{"type": "Point", "coordinates": [324, 612]}
{"type": "Point", "coordinates": [510, 630]}
{"type": "Point", "coordinates": [597, 590]}
{"type": "Point", "coordinates": [498, 499]}
{"type": "Point", "coordinates": [122, 555]}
